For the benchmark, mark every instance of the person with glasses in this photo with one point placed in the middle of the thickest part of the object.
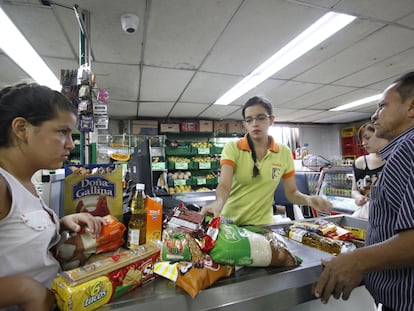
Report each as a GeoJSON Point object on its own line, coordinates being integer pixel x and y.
{"type": "Point", "coordinates": [251, 169]}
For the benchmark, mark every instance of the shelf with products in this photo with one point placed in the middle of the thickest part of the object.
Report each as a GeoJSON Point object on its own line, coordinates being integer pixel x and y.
{"type": "Point", "coordinates": [192, 166]}
{"type": "Point", "coordinates": [335, 184]}
{"type": "Point", "coordinates": [134, 150]}
{"type": "Point", "coordinates": [118, 148]}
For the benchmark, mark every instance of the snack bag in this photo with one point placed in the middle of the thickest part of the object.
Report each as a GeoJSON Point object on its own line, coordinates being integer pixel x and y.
{"type": "Point", "coordinates": [185, 220]}
{"type": "Point", "coordinates": [193, 278]}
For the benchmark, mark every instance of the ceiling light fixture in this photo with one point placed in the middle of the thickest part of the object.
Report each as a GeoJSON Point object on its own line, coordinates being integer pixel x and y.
{"type": "Point", "coordinates": [318, 32]}
{"type": "Point", "coordinates": [15, 45]}
{"type": "Point", "coordinates": [359, 102]}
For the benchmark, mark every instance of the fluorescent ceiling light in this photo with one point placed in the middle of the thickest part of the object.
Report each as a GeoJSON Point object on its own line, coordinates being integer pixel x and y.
{"type": "Point", "coordinates": [359, 102]}
{"type": "Point", "coordinates": [15, 45]}
{"type": "Point", "coordinates": [318, 32]}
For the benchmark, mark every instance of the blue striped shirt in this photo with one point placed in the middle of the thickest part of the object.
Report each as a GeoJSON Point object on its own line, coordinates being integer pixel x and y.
{"type": "Point", "coordinates": [391, 211]}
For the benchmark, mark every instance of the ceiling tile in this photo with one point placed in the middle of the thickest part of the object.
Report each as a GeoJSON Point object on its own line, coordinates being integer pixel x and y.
{"type": "Point", "coordinates": [160, 84]}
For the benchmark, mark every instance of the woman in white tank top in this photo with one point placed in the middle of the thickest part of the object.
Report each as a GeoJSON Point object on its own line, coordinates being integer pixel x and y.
{"type": "Point", "coordinates": [36, 124]}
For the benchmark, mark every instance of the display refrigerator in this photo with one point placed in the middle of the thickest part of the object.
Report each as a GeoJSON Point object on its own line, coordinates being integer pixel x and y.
{"type": "Point", "coordinates": [335, 184]}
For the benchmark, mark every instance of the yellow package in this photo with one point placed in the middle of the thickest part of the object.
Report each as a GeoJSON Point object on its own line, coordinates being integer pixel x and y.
{"type": "Point", "coordinates": [95, 284]}
{"type": "Point", "coordinates": [86, 296]}
{"type": "Point", "coordinates": [94, 188]}
{"type": "Point", "coordinates": [154, 219]}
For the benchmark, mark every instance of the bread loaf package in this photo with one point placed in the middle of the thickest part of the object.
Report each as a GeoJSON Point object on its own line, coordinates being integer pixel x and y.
{"type": "Point", "coordinates": [75, 248]}
{"type": "Point", "coordinates": [251, 246]}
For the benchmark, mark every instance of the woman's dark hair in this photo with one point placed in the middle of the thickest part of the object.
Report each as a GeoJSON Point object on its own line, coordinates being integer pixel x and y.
{"type": "Point", "coordinates": [256, 100]}
{"type": "Point", "coordinates": [33, 102]}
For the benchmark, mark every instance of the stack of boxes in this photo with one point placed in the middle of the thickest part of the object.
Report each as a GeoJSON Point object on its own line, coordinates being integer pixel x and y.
{"type": "Point", "coordinates": [351, 147]}
{"type": "Point", "coordinates": [207, 126]}
{"type": "Point", "coordinates": [151, 127]}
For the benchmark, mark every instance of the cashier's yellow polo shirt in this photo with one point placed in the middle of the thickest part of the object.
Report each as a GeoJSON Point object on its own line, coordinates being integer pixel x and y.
{"type": "Point", "coordinates": [251, 198]}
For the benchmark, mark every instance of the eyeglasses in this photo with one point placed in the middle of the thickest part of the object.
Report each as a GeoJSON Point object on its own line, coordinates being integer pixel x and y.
{"type": "Point", "coordinates": [259, 118]}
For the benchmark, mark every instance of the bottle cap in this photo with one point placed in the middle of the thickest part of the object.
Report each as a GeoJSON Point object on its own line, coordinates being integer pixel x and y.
{"type": "Point", "coordinates": [140, 187]}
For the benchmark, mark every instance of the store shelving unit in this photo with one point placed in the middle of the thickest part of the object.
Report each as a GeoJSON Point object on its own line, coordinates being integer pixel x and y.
{"type": "Point", "coordinates": [193, 166]}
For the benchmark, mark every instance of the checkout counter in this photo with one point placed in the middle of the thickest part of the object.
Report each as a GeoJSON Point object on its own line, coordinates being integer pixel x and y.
{"type": "Point", "coordinates": [249, 288]}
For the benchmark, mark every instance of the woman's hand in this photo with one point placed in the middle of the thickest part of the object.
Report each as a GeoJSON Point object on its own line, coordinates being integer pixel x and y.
{"type": "Point", "coordinates": [320, 203]}
{"type": "Point", "coordinates": [361, 200]}
{"type": "Point", "coordinates": [74, 221]}
{"type": "Point", "coordinates": [212, 209]}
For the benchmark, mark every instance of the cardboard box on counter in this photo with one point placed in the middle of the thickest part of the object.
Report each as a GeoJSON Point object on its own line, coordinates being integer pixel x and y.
{"type": "Point", "coordinates": [154, 219]}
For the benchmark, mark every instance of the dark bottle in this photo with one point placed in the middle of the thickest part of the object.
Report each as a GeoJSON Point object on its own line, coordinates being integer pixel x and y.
{"type": "Point", "coordinates": [137, 225]}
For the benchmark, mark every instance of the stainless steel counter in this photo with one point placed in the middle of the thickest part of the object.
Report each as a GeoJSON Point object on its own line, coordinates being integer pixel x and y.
{"type": "Point", "coordinates": [248, 289]}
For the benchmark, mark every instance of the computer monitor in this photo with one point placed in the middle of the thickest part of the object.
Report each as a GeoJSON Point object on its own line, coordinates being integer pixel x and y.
{"type": "Point", "coordinates": [280, 197]}
{"type": "Point", "coordinates": [139, 166]}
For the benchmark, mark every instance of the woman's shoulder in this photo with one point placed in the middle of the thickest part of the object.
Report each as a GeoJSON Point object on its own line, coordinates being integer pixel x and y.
{"type": "Point", "coordinates": [374, 161]}
{"type": "Point", "coordinates": [360, 162]}
{"type": "Point", "coordinates": [4, 197]}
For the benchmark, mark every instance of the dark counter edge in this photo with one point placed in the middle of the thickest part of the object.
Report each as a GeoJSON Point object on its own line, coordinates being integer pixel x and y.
{"type": "Point", "coordinates": [272, 292]}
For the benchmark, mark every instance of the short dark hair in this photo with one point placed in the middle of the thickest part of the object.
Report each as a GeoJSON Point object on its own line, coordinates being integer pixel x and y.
{"type": "Point", "coordinates": [405, 85]}
{"type": "Point", "coordinates": [34, 102]}
{"type": "Point", "coordinates": [257, 100]}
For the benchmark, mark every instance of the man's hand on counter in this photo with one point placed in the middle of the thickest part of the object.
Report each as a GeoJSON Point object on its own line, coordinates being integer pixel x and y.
{"type": "Point", "coordinates": [339, 277]}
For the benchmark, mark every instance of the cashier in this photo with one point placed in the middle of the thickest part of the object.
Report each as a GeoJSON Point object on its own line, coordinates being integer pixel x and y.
{"type": "Point", "coordinates": [251, 169]}
{"type": "Point", "coordinates": [35, 133]}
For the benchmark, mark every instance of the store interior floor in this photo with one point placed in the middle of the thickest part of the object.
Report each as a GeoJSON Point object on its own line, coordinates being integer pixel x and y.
{"type": "Point", "coordinates": [360, 300]}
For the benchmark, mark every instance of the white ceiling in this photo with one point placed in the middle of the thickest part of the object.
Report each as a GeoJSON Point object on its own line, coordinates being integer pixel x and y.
{"type": "Point", "coordinates": [187, 53]}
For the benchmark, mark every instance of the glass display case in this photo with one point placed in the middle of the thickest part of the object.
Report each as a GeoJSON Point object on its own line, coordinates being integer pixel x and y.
{"type": "Point", "coordinates": [335, 183]}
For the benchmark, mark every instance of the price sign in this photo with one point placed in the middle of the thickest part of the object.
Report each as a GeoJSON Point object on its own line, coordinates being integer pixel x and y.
{"type": "Point", "coordinates": [203, 150]}
{"type": "Point", "coordinates": [201, 180]}
{"type": "Point", "coordinates": [204, 165]}
{"type": "Point", "coordinates": [181, 165]}
{"type": "Point", "coordinates": [179, 182]}
{"type": "Point", "coordinates": [158, 166]}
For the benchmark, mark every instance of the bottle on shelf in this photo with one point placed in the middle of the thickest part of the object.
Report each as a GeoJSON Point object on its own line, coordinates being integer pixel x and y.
{"type": "Point", "coordinates": [138, 222]}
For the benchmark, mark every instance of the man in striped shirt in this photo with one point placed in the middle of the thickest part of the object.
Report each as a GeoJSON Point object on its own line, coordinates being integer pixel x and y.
{"type": "Point", "coordinates": [386, 263]}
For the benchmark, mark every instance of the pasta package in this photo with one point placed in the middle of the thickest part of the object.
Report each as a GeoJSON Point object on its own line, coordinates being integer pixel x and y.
{"type": "Point", "coordinates": [94, 188]}
{"type": "Point", "coordinates": [95, 284]}
{"type": "Point", "coordinates": [240, 246]}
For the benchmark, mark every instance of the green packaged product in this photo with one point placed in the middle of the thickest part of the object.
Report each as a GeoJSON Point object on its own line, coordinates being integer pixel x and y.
{"type": "Point", "coordinates": [240, 246]}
